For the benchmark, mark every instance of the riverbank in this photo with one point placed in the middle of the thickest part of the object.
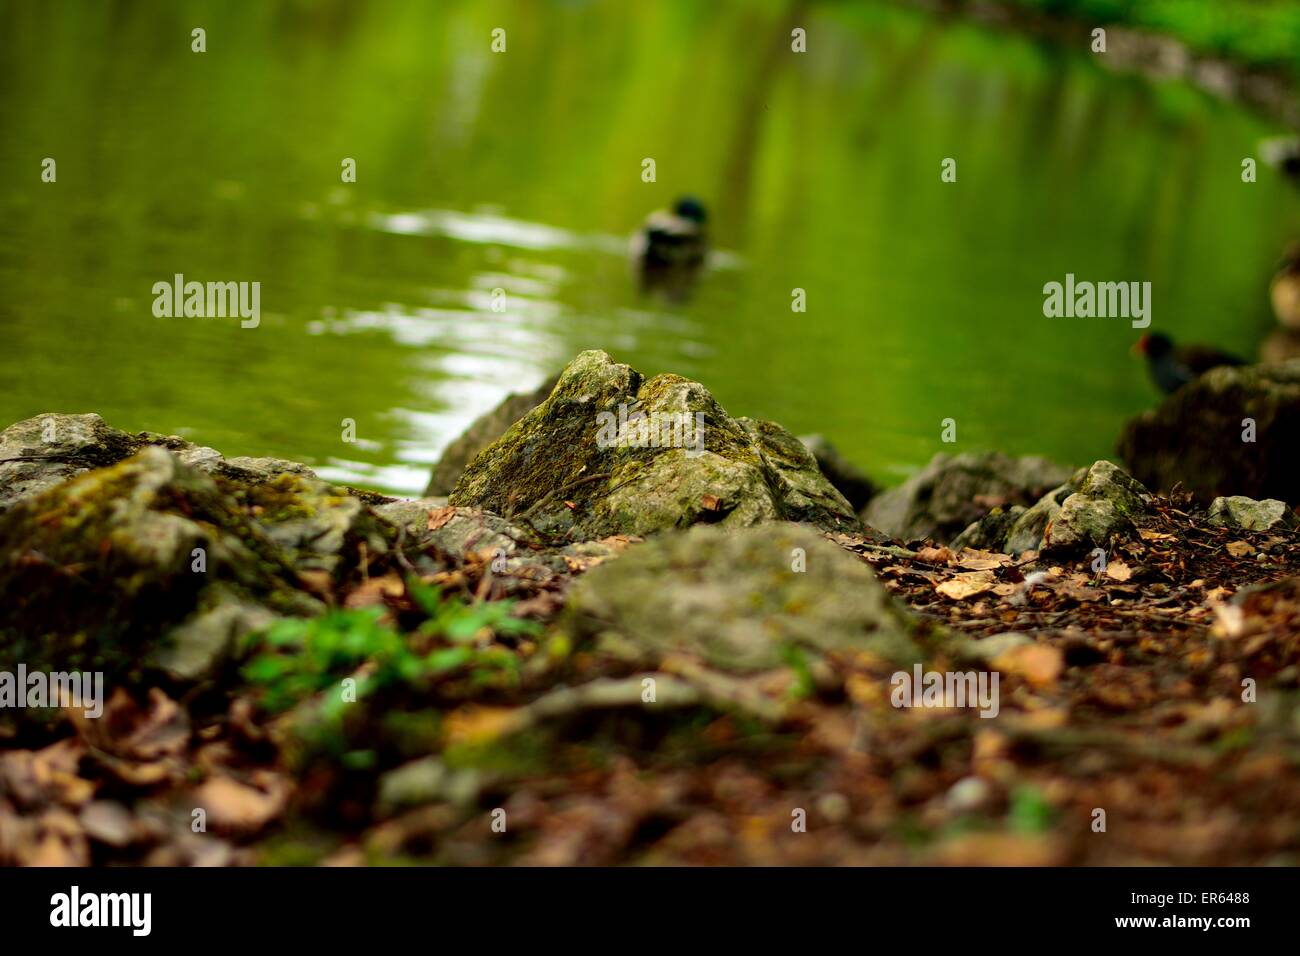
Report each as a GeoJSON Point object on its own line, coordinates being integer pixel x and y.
{"type": "Point", "coordinates": [1237, 50]}
{"type": "Point", "coordinates": [599, 652]}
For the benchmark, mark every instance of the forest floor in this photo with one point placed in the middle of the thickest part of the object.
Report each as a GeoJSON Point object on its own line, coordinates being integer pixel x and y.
{"type": "Point", "coordinates": [1147, 714]}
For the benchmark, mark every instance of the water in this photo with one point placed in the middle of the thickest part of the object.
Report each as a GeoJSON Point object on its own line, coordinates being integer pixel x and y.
{"type": "Point", "coordinates": [522, 171]}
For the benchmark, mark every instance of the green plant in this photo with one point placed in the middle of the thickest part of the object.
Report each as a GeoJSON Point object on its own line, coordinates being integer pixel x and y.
{"type": "Point", "coordinates": [302, 657]}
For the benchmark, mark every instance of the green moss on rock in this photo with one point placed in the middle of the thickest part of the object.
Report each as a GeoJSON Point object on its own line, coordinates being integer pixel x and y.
{"type": "Point", "coordinates": [552, 468]}
{"type": "Point", "coordinates": [96, 572]}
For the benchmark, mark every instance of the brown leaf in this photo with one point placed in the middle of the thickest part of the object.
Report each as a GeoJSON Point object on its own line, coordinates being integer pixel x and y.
{"type": "Point", "coordinates": [1118, 571]}
{"type": "Point", "coordinates": [964, 586]}
{"type": "Point", "coordinates": [375, 591]}
{"type": "Point", "coordinates": [977, 560]}
{"type": "Point", "coordinates": [1039, 664]}
{"type": "Point", "coordinates": [36, 778]}
{"type": "Point", "coordinates": [934, 555]}
{"type": "Point", "coordinates": [1239, 549]}
{"type": "Point", "coordinates": [440, 516]}
{"type": "Point", "coordinates": [239, 807]}
{"type": "Point", "coordinates": [710, 502]}
{"type": "Point", "coordinates": [476, 724]}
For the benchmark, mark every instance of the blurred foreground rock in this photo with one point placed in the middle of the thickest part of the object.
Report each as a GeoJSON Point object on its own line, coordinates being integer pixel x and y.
{"type": "Point", "coordinates": [736, 600]}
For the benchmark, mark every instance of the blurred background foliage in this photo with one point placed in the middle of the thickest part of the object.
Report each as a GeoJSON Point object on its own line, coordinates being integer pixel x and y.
{"type": "Point", "coordinates": [521, 171]}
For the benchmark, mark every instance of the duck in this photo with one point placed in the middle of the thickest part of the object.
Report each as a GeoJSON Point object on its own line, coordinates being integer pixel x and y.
{"type": "Point", "coordinates": [1284, 290]}
{"type": "Point", "coordinates": [1173, 366]}
{"type": "Point", "coordinates": [671, 247]}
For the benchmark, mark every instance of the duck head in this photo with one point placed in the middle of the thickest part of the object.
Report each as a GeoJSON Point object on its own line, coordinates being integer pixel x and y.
{"type": "Point", "coordinates": [691, 209]}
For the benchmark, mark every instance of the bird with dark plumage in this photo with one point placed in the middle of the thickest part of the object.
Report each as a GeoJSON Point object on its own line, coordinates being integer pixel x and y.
{"type": "Point", "coordinates": [1173, 366]}
{"type": "Point", "coordinates": [670, 248]}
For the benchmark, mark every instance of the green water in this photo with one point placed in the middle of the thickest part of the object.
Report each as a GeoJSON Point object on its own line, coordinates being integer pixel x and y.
{"type": "Point", "coordinates": [522, 171]}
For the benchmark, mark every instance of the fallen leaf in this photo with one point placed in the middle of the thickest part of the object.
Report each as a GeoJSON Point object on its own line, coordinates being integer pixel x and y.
{"type": "Point", "coordinates": [966, 585]}
{"type": "Point", "coordinates": [934, 555]}
{"type": "Point", "coordinates": [1239, 549]}
{"type": "Point", "coordinates": [710, 502]}
{"type": "Point", "coordinates": [375, 590]}
{"type": "Point", "coordinates": [239, 807]}
{"type": "Point", "coordinates": [476, 724]}
{"type": "Point", "coordinates": [976, 560]}
{"type": "Point", "coordinates": [1039, 664]}
{"type": "Point", "coordinates": [440, 516]}
{"type": "Point", "coordinates": [1118, 571]}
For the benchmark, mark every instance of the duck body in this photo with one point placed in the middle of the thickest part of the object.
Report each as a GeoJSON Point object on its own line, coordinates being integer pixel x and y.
{"type": "Point", "coordinates": [1173, 366]}
{"type": "Point", "coordinates": [671, 247]}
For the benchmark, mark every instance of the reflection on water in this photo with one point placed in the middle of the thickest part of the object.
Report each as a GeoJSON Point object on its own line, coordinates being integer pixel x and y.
{"type": "Point", "coordinates": [485, 240]}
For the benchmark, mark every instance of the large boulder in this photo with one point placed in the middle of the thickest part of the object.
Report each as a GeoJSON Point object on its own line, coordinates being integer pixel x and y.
{"type": "Point", "coordinates": [737, 600]}
{"type": "Point", "coordinates": [612, 452]}
{"type": "Point", "coordinates": [486, 429]}
{"type": "Point", "coordinates": [1199, 437]}
{"type": "Point", "coordinates": [952, 491]}
{"type": "Point", "coordinates": [144, 564]}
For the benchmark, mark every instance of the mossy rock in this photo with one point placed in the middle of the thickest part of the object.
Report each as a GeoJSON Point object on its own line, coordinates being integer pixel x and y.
{"type": "Point", "coordinates": [556, 469]}
{"type": "Point", "coordinates": [736, 599]}
{"type": "Point", "coordinates": [1200, 440]}
{"type": "Point", "coordinates": [1247, 514]}
{"type": "Point", "coordinates": [97, 573]}
{"type": "Point", "coordinates": [1106, 506]}
{"type": "Point", "coordinates": [953, 491]}
{"type": "Point", "coordinates": [486, 429]}
{"type": "Point", "coordinates": [48, 449]}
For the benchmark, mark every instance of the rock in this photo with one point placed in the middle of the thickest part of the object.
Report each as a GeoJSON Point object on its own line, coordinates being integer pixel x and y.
{"type": "Point", "coordinates": [1095, 505]}
{"type": "Point", "coordinates": [315, 524]}
{"type": "Point", "coordinates": [1195, 437]}
{"type": "Point", "coordinates": [1105, 506]}
{"type": "Point", "coordinates": [990, 532]}
{"type": "Point", "coordinates": [566, 469]}
{"type": "Point", "coordinates": [97, 573]}
{"type": "Point", "coordinates": [46, 450]}
{"type": "Point", "coordinates": [953, 491]}
{"type": "Point", "coordinates": [456, 532]}
{"type": "Point", "coordinates": [422, 781]}
{"type": "Point", "coordinates": [732, 598]}
{"type": "Point", "coordinates": [486, 429]}
{"type": "Point", "coordinates": [1026, 532]}
{"type": "Point", "coordinates": [848, 479]}
{"type": "Point", "coordinates": [1247, 514]}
